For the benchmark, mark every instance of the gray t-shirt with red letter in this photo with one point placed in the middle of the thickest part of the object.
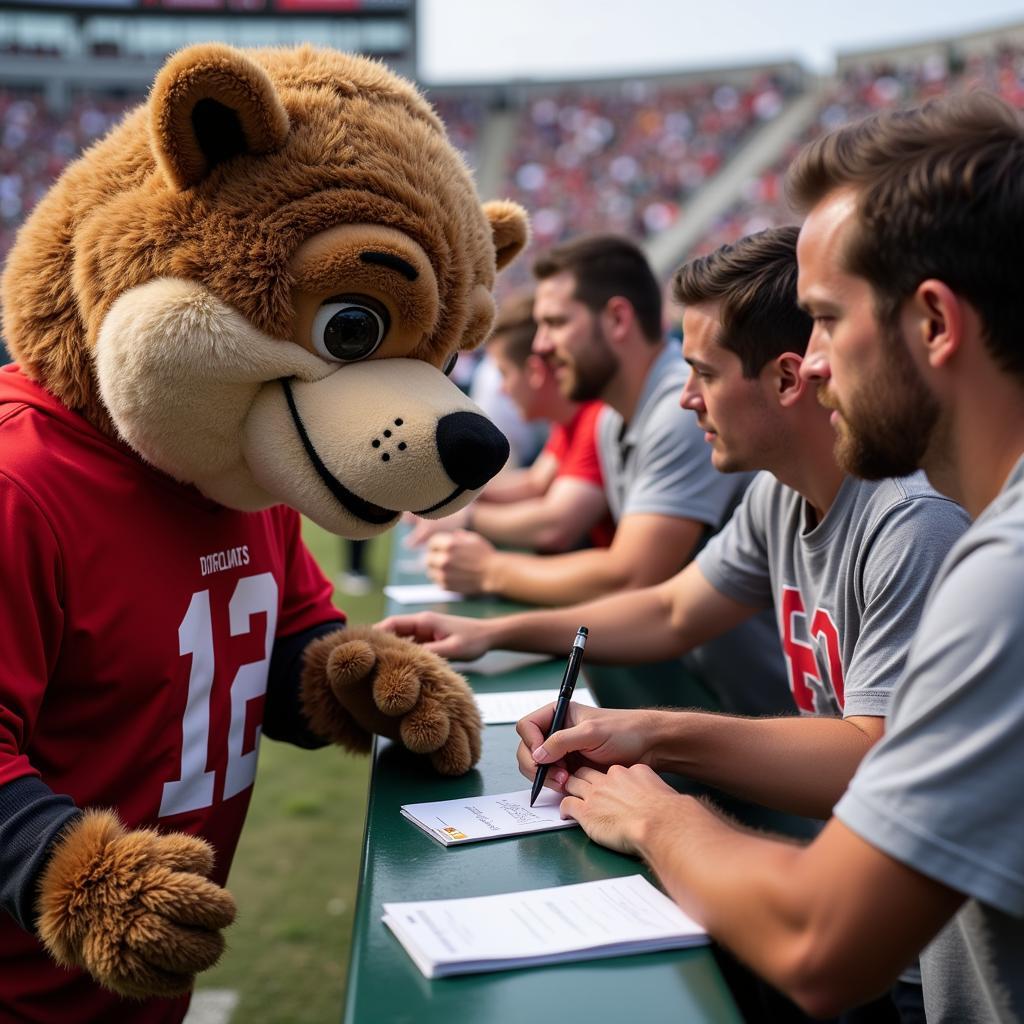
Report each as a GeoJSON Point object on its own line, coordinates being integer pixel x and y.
{"type": "Point", "coordinates": [848, 591]}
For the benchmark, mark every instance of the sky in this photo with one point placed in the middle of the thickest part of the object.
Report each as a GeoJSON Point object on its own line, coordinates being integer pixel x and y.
{"type": "Point", "coordinates": [499, 40]}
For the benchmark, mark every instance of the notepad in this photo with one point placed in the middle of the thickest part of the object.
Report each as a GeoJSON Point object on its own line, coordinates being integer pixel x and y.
{"type": "Point", "coordinates": [610, 917]}
{"type": "Point", "coordinates": [511, 705]}
{"type": "Point", "coordinates": [473, 818]}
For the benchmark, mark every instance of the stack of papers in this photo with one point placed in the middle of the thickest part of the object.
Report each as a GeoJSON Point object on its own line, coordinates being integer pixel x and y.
{"type": "Point", "coordinates": [611, 917]}
{"type": "Point", "coordinates": [487, 817]}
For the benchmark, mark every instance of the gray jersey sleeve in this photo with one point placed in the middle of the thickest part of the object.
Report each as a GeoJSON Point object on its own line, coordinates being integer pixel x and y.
{"type": "Point", "coordinates": [735, 561]}
{"type": "Point", "coordinates": [895, 569]}
{"type": "Point", "coordinates": [673, 475]}
{"type": "Point", "coordinates": [932, 793]}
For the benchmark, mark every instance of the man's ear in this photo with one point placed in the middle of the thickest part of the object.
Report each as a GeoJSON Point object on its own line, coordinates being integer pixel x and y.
{"type": "Point", "coordinates": [787, 384]}
{"type": "Point", "coordinates": [618, 318]}
{"type": "Point", "coordinates": [510, 227]}
{"type": "Point", "coordinates": [211, 103]}
{"type": "Point", "coordinates": [938, 319]}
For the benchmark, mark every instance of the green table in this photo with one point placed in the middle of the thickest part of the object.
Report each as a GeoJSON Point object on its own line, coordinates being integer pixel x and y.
{"type": "Point", "coordinates": [399, 862]}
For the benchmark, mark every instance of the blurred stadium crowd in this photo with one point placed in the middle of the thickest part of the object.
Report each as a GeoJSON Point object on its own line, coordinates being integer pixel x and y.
{"type": "Point", "coordinates": [627, 156]}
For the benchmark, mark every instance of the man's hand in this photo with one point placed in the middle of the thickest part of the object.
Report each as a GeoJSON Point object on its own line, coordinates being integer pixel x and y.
{"type": "Point", "coordinates": [618, 808]}
{"type": "Point", "coordinates": [591, 737]}
{"type": "Point", "coordinates": [423, 529]}
{"type": "Point", "coordinates": [460, 561]}
{"type": "Point", "coordinates": [451, 636]}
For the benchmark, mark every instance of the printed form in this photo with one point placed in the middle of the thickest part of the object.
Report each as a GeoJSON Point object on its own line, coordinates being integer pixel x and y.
{"type": "Point", "coordinates": [610, 917]}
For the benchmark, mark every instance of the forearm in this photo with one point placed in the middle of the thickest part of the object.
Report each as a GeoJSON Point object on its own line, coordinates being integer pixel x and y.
{"type": "Point", "coordinates": [531, 523]}
{"type": "Point", "coordinates": [806, 918]}
{"type": "Point", "coordinates": [522, 484]}
{"type": "Point", "coordinates": [513, 485]}
{"type": "Point", "coordinates": [624, 628]}
{"type": "Point", "coordinates": [799, 765]}
{"type": "Point", "coordinates": [555, 579]}
{"type": "Point", "coordinates": [739, 885]}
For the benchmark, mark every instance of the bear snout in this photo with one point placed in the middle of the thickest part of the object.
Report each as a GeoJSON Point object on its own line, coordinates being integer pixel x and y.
{"type": "Point", "coordinates": [471, 448]}
{"type": "Point", "coordinates": [389, 440]}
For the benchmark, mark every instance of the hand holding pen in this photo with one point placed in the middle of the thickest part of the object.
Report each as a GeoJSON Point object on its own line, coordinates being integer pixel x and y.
{"type": "Point", "coordinates": [572, 671]}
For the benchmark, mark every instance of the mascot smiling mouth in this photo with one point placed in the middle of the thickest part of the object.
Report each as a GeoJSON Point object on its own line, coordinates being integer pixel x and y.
{"type": "Point", "coordinates": [485, 440]}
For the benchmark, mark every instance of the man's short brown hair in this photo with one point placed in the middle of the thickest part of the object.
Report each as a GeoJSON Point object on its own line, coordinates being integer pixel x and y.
{"type": "Point", "coordinates": [515, 327]}
{"type": "Point", "coordinates": [754, 282]}
{"type": "Point", "coordinates": [607, 266]}
{"type": "Point", "coordinates": [940, 194]}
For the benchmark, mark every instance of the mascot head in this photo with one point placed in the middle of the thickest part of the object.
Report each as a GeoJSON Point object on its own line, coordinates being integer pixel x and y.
{"type": "Point", "coordinates": [258, 279]}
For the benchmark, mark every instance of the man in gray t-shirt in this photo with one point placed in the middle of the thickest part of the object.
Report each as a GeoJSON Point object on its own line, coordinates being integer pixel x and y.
{"type": "Point", "coordinates": [909, 264]}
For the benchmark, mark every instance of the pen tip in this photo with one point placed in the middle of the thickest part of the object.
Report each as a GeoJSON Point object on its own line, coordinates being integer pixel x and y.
{"type": "Point", "coordinates": [584, 631]}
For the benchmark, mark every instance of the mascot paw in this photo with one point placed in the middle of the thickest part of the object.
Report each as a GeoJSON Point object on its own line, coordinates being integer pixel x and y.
{"type": "Point", "coordinates": [361, 681]}
{"type": "Point", "coordinates": [133, 908]}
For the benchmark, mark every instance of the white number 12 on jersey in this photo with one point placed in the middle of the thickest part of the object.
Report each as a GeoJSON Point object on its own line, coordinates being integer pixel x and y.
{"type": "Point", "coordinates": [193, 788]}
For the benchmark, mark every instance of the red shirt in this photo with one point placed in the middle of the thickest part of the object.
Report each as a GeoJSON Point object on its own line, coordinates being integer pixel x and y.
{"type": "Point", "coordinates": [574, 446]}
{"type": "Point", "coordinates": [137, 620]}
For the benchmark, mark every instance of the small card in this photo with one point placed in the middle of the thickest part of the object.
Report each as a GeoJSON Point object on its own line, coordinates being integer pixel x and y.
{"type": "Point", "coordinates": [452, 822]}
{"type": "Point", "coordinates": [511, 705]}
{"type": "Point", "coordinates": [420, 593]}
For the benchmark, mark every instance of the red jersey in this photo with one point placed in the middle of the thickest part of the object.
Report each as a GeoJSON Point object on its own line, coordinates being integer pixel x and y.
{"type": "Point", "coordinates": [137, 620]}
{"type": "Point", "coordinates": [574, 447]}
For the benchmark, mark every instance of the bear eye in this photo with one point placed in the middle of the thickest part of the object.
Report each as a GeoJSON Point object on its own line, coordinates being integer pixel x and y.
{"type": "Point", "coordinates": [449, 364]}
{"type": "Point", "coordinates": [349, 327]}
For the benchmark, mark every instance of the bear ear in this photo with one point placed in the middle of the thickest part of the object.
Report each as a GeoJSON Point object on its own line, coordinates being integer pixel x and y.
{"type": "Point", "coordinates": [510, 227]}
{"type": "Point", "coordinates": [208, 104]}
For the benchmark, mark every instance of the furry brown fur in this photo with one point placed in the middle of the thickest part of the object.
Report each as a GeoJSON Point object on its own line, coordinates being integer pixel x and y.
{"type": "Point", "coordinates": [445, 724]}
{"type": "Point", "coordinates": [133, 908]}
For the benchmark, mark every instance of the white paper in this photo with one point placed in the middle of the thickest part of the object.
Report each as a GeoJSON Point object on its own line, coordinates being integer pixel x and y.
{"type": "Point", "coordinates": [610, 917]}
{"type": "Point", "coordinates": [511, 705]}
{"type": "Point", "coordinates": [420, 593]}
{"type": "Point", "coordinates": [473, 818]}
{"type": "Point", "coordinates": [498, 662]}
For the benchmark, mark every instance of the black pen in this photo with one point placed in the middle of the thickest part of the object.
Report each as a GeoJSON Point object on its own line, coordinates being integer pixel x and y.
{"type": "Point", "coordinates": [572, 671]}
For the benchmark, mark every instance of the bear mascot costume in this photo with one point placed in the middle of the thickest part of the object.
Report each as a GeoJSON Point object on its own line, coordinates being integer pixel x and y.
{"type": "Point", "coordinates": [237, 307]}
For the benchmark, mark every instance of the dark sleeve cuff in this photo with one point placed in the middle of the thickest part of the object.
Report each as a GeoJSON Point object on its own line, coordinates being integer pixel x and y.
{"type": "Point", "coordinates": [282, 717]}
{"type": "Point", "coordinates": [32, 818]}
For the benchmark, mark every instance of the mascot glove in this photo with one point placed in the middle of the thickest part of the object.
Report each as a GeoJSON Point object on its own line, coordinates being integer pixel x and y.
{"type": "Point", "coordinates": [133, 908]}
{"type": "Point", "coordinates": [361, 681]}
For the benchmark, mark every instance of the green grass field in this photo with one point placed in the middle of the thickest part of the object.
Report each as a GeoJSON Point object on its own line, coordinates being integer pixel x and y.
{"type": "Point", "coordinates": [296, 870]}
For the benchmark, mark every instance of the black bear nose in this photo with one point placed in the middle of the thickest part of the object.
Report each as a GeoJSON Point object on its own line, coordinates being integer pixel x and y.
{"type": "Point", "coordinates": [471, 447]}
